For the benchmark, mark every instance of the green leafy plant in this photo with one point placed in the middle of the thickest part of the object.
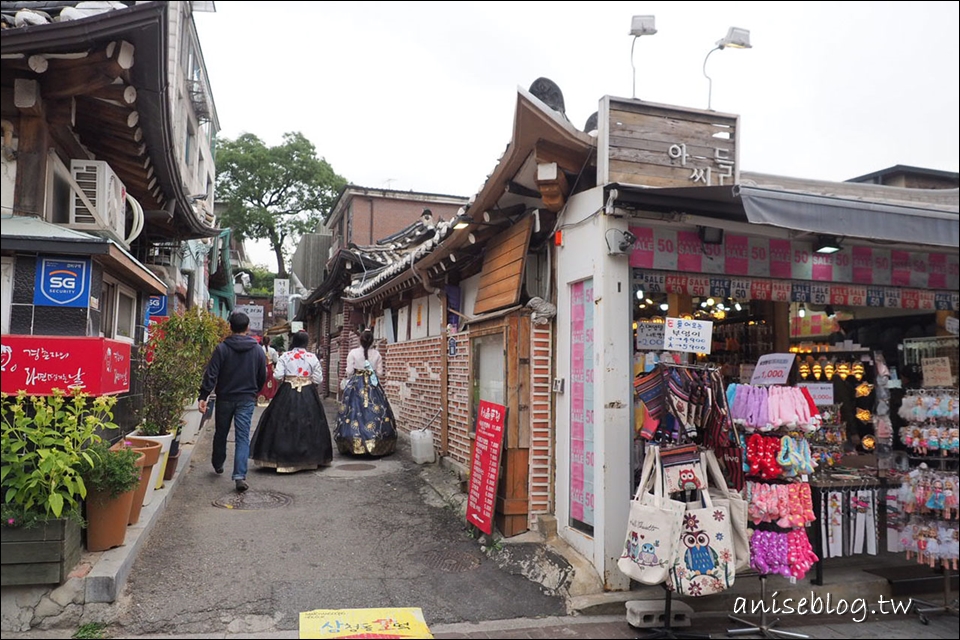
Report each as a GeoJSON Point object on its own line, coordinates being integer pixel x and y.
{"type": "Point", "coordinates": [114, 471]}
{"type": "Point", "coordinates": [44, 452]}
{"type": "Point", "coordinates": [91, 630]}
{"type": "Point", "coordinates": [172, 368]}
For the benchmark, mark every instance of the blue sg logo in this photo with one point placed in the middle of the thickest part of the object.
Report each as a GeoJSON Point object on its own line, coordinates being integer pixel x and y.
{"type": "Point", "coordinates": [157, 306]}
{"type": "Point", "coordinates": [62, 283]}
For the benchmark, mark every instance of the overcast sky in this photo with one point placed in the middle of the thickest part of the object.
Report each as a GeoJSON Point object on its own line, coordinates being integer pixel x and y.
{"type": "Point", "coordinates": [420, 95]}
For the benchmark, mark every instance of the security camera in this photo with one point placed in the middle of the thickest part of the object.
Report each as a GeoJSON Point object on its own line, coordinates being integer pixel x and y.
{"type": "Point", "coordinates": [626, 242]}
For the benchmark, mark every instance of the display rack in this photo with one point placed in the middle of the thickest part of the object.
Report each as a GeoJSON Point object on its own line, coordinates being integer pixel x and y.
{"type": "Point", "coordinates": [763, 626]}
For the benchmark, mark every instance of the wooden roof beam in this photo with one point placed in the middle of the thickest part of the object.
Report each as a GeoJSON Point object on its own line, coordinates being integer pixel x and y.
{"type": "Point", "coordinates": [80, 76]}
{"type": "Point", "coordinates": [553, 186]}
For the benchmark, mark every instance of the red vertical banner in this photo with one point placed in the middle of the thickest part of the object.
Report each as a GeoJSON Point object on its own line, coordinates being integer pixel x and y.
{"type": "Point", "coordinates": [737, 255]}
{"type": "Point", "coordinates": [485, 466]}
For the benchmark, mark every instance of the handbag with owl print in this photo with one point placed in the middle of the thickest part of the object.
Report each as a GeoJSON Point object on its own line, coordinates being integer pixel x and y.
{"type": "Point", "coordinates": [705, 560]}
{"type": "Point", "coordinates": [682, 470]}
{"type": "Point", "coordinates": [653, 526]}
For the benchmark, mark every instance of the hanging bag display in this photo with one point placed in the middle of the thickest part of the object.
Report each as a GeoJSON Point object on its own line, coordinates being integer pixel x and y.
{"type": "Point", "coordinates": [704, 562]}
{"type": "Point", "coordinates": [682, 470]}
{"type": "Point", "coordinates": [722, 495]}
{"type": "Point", "coordinates": [653, 526]}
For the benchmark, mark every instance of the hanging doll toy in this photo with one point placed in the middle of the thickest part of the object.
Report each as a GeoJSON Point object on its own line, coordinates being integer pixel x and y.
{"type": "Point", "coordinates": [936, 499]}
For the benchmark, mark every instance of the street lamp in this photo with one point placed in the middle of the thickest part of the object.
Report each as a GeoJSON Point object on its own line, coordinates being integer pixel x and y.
{"type": "Point", "coordinates": [736, 38]}
{"type": "Point", "coordinates": [641, 26]}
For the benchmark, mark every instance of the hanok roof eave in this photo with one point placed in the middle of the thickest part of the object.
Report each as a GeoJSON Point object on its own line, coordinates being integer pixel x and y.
{"type": "Point", "coordinates": [145, 25]}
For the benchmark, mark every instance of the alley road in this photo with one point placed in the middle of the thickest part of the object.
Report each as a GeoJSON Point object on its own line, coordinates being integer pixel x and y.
{"type": "Point", "coordinates": [362, 533]}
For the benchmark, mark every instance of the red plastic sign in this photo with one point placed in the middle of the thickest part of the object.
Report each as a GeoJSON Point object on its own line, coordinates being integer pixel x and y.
{"type": "Point", "coordinates": [485, 466]}
{"type": "Point", "coordinates": [40, 364]}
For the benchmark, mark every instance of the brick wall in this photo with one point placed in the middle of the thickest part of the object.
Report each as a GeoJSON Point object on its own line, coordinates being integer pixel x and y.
{"type": "Point", "coordinates": [389, 215]}
{"type": "Point", "coordinates": [413, 387]}
{"type": "Point", "coordinates": [541, 421]}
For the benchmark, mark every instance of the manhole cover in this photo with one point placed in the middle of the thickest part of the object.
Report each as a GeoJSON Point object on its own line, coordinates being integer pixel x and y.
{"type": "Point", "coordinates": [251, 500]}
{"type": "Point", "coordinates": [357, 466]}
{"type": "Point", "coordinates": [451, 561]}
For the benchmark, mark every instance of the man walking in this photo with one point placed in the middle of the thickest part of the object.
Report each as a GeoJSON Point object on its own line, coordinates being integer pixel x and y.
{"type": "Point", "coordinates": [237, 371]}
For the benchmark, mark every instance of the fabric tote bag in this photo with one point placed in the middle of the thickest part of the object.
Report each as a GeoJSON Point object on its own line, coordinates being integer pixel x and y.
{"type": "Point", "coordinates": [653, 526]}
{"type": "Point", "coordinates": [722, 495]}
{"type": "Point", "coordinates": [704, 561]}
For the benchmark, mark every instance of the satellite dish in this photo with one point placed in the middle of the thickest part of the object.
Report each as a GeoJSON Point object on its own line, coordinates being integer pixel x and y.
{"type": "Point", "coordinates": [547, 91]}
{"type": "Point", "coordinates": [592, 122]}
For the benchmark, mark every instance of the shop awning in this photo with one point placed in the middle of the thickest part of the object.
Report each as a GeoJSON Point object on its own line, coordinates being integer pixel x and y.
{"type": "Point", "coordinates": [844, 217]}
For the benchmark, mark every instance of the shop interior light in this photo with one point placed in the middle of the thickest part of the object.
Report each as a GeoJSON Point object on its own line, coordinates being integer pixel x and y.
{"type": "Point", "coordinates": [664, 307]}
{"type": "Point", "coordinates": [802, 311]}
{"type": "Point", "coordinates": [640, 294]}
{"type": "Point", "coordinates": [738, 306]}
{"type": "Point", "coordinates": [827, 244]}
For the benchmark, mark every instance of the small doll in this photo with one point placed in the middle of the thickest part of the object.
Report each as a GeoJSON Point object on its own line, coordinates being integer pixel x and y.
{"type": "Point", "coordinates": [949, 501]}
{"type": "Point", "coordinates": [936, 499]}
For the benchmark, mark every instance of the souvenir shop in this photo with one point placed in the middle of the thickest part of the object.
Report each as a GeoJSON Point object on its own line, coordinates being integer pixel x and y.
{"type": "Point", "coordinates": [681, 277]}
{"type": "Point", "coordinates": [831, 408]}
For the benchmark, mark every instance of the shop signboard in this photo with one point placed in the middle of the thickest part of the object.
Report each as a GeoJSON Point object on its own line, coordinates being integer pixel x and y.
{"type": "Point", "coordinates": [255, 313]}
{"type": "Point", "coordinates": [936, 372]}
{"type": "Point", "coordinates": [157, 306]}
{"type": "Point", "coordinates": [485, 465]}
{"type": "Point", "coordinates": [797, 291]}
{"type": "Point", "coordinates": [40, 364]}
{"type": "Point", "coordinates": [62, 282]}
{"type": "Point", "coordinates": [749, 256]}
{"type": "Point", "coordinates": [773, 368]}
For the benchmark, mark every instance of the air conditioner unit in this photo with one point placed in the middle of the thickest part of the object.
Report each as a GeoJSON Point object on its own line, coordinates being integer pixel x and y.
{"type": "Point", "coordinates": [105, 191]}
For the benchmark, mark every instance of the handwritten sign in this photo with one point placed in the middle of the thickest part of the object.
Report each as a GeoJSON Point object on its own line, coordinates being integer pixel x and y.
{"type": "Point", "coordinates": [952, 325]}
{"type": "Point", "coordinates": [773, 368]}
{"type": "Point", "coordinates": [40, 364]}
{"type": "Point", "coordinates": [485, 465]}
{"type": "Point", "coordinates": [649, 336]}
{"type": "Point", "coordinates": [821, 392]}
{"type": "Point", "coordinates": [364, 623]}
{"type": "Point", "coordinates": [936, 372]}
{"type": "Point", "coordinates": [690, 336]}
{"type": "Point", "coordinates": [255, 313]}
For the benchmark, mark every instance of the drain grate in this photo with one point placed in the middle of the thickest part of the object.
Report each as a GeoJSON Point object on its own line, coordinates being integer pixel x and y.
{"type": "Point", "coordinates": [251, 500]}
{"type": "Point", "coordinates": [451, 561]}
{"type": "Point", "coordinates": [357, 466]}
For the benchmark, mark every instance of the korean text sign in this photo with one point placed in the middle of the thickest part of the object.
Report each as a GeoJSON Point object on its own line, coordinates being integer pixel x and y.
{"type": "Point", "coordinates": [691, 336]}
{"type": "Point", "coordinates": [40, 364]}
{"type": "Point", "coordinates": [485, 466]}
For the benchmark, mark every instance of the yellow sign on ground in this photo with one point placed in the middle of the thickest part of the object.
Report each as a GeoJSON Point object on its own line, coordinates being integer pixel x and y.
{"type": "Point", "coordinates": [364, 623]}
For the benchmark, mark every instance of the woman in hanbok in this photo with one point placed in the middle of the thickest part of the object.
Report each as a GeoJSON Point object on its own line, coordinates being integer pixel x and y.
{"type": "Point", "coordinates": [270, 386]}
{"type": "Point", "coordinates": [293, 433]}
{"type": "Point", "coordinates": [365, 422]}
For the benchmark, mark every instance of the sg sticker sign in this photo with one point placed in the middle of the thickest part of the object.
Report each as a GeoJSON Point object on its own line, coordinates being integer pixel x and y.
{"type": "Point", "coordinates": [62, 283]}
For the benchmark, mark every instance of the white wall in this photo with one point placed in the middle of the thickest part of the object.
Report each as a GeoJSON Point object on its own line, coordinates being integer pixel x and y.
{"type": "Point", "coordinates": [584, 255]}
{"type": "Point", "coordinates": [469, 289]}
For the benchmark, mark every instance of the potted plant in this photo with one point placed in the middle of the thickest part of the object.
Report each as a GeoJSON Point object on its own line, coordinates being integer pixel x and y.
{"type": "Point", "coordinates": [176, 354]}
{"type": "Point", "coordinates": [111, 484]}
{"type": "Point", "coordinates": [43, 452]}
{"type": "Point", "coordinates": [151, 451]}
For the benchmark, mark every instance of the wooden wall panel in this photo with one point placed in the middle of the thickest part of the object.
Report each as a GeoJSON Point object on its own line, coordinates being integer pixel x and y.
{"type": "Point", "coordinates": [503, 263]}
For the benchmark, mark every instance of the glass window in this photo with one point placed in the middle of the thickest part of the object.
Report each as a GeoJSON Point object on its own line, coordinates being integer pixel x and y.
{"type": "Point", "coordinates": [489, 373]}
{"type": "Point", "coordinates": [126, 314]}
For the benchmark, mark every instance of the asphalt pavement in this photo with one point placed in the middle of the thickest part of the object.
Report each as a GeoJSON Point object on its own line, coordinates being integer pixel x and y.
{"type": "Point", "coordinates": [363, 533]}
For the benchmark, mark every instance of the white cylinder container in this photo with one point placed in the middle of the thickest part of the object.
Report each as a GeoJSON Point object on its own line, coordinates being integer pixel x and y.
{"type": "Point", "coordinates": [421, 445]}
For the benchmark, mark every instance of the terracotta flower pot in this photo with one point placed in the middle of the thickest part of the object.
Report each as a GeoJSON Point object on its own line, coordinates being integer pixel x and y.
{"type": "Point", "coordinates": [107, 517]}
{"type": "Point", "coordinates": [151, 451]}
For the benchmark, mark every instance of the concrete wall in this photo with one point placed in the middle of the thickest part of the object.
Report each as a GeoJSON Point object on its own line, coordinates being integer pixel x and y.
{"type": "Point", "coordinates": [582, 256]}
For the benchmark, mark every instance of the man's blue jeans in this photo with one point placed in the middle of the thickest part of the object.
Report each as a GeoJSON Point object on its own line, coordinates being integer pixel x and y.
{"type": "Point", "coordinates": [241, 415]}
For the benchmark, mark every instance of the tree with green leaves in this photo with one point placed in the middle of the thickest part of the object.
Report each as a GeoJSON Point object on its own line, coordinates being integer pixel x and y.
{"type": "Point", "coordinates": [274, 193]}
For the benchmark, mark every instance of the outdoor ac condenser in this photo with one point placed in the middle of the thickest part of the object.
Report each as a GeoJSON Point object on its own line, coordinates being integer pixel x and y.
{"type": "Point", "coordinates": [106, 192]}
